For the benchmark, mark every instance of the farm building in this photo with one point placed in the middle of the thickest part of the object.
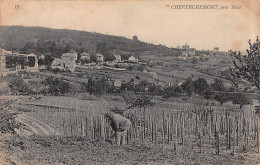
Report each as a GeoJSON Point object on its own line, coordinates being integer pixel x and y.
{"type": "Point", "coordinates": [67, 62]}
{"type": "Point", "coordinates": [85, 56]}
{"type": "Point", "coordinates": [117, 83]}
{"type": "Point", "coordinates": [169, 84]}
{"type": "Point", "coordinates": [28, 62]}
{"type": "Point", "coordinates": [132, 59]}
{"type": "Point", "coordinates": [100, 57]}
{"type": "Point", "coordinates": [117, 58]}
{"type": "Point", "coordinates": [57, 63]}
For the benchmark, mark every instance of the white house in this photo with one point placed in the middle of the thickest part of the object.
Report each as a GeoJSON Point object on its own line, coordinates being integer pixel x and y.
{"type": "Point", "coordinates": [117, 58]}
{"type": "Point", "coordinates": [188, 53]}
{"type": "Point", "coordinates": [70, 54]}
{"type": "Point", "coordinates": [117, 83]}
{"type": "Point", "coordinates": [67, 62]}
{"type": "Point", "coordinates": [85, 56]}
{"type": "Point", "coordinates": [57, 63]}
{"type": "Point", "coordinates": [132, 59]}
{"type": "Point", "coordinates": [100, 57]}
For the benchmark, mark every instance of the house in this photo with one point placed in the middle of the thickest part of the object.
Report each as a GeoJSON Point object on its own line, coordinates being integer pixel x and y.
{"type": "Point", "coordinates": [57, 63]}
{"type": "Point", "coordinates": [42, 57]}
{"type": "Point", "coordinates": [184, 58]}
{"type": "Point", "coordinates": [132, 59]}
{"type": "Point", "coordinates": [33, 63]}
{"type": "Point", "coordinates": [117, 58]}
{"type": "Point", "coordinates": [188, 53]}
{"type": "Point", "coordinates": [2, 59]}
{"type": "Point", "coordinates": [117, 83]}
{"type": "Point", "coordinates": [185, 47]}
{"type": "Point", "coordinates": [66, 62]}
{"type": "Point", "coordinates": [70, 54]}
{"type": "Point", "coordinates": [28, 62]}
{"type": "Point", "coordinates": [100, 57]}
{"type": "Point", "coordinates": [3, 70]}
{"type": "Point", "coordinates": [85, 56]}
{"type": "Point", "coordinates": [169, 84]}
{"type": "Point", "coordinates": [180, 84]}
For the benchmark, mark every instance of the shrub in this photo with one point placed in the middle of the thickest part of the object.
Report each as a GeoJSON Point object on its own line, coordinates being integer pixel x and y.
{"type": "Point", "coordinates": [240, 99]}
{"type": "Point", "coordinates": [17, 85]}
{"type": "Point", "coordinates": [172, 92]}
{"type": "Point", "coordinates": [222, 97]}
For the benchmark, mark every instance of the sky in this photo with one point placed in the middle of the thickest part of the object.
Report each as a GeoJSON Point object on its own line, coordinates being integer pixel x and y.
{"type": "Point", "coordinates": [152, 21]}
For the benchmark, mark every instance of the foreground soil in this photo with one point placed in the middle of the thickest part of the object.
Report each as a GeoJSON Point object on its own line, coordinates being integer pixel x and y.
{"type": "Point", "coordinates": [35, 149]}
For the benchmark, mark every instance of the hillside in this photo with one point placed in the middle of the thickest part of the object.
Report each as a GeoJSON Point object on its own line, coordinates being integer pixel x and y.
{"type": "Point", "coordinates": [15, 37]}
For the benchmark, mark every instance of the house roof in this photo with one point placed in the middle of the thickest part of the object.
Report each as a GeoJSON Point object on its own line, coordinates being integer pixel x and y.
{"type": "Point", "coordinates": [85, 54]}
{"type": "Point", "coordinates": [99, 55]}
{"type": "Point", "coordinates": [31, 55]}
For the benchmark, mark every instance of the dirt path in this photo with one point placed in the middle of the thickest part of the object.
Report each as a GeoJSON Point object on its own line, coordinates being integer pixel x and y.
{"type": "Point", "coordinates": [34, 126]}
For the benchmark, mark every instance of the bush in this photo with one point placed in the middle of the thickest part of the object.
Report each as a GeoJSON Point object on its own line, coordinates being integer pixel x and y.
{"type": "Point", "coordinates": [200, 85]}
{"type": "Point", "coordinates": [56, 70]}
{"type": "Point", "coordinates": [218, 85]}
{"type": "Point", "coordinates": [57, 86]}
{"type": "Point", "coordinates": [208, 94]}
{"type": "Point", "coordinates": [174, 91]}
{"type": "Point", "coordinates": [96, 87]}
{"type": "Point", "coordinates": [222, 97]}
{"type": "Point", "coordinates": [18, 86]}
{"type": "Point", "coordinates": [240, 99]}
{"type": "Point", "coordinates": [188, 86]}
{"type": "Point", "coordinates": [8, 122]}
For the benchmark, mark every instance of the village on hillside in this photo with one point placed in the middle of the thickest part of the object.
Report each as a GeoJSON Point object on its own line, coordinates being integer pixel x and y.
{"type": "Point", "coordinates": [125, 102]}
{"type": "Point", "coordinates": [160, 69]}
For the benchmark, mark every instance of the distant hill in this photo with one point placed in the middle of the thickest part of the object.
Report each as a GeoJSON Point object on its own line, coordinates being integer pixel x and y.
{"type": "Point", "coordinates": [15, 37]}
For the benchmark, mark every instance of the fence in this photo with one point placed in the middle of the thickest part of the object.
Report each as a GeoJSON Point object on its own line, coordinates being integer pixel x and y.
{"type": "Point", "coordinates": [167, 125]}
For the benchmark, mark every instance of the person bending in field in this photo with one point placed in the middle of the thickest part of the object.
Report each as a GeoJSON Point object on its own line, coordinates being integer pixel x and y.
{"type": "Point", "coordinates": [120, 125]}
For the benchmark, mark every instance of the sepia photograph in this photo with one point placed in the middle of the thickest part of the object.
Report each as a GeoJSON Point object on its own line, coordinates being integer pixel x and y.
{"type": "Point", "coordinates": [129, 82]}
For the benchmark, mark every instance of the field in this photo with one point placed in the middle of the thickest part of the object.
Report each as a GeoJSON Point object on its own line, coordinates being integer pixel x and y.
{"type": "Point", "coordinates": [167, 133]}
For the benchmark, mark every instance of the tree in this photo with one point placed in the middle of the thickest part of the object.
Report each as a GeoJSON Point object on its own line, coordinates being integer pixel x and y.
{"type": "Point", "coordinates": [57, 86]}
{"type": "Point", "coordinates": [18, 85]}
{"type": "Point", "coordinates": [93, 58]}
{"type": "Point", "coordinates": [240, 98]}
{"type": "Point", "coordinates": [128, 86]}
{"type": "Point", "coordinates": [154, 89]}
{"type": "Point", "coordinates": [247, 66]}
{"type": "Point", "coordinates": [141, 86]}
{"type": "Point", "coordinates": [110, 57]}
{"type": "Point", "coordinates": [96, 87]}
{"type": "Point", "coordinates": [40, 61]}
{"type": "Point", "coordinates": [208, 93]}
{"type": "Point", "coordinates": [173, 91]}
{"type": "Point", "coordinates": [188, 86]}
{"type": "Point", "coordinates": [218, 85]}
{"type": "Point", "coordinates": [102, 48]}
{"type": "Point", "coordinates": [37, 87]}
{"type": "Point", "coordinates": [137, 77]}
{"type": "Point", "coordinates": [48, 60]}
{"type": "Point", "coordinates": [200, 85]}
{"type": "Point", "coordinates": [222, 97]}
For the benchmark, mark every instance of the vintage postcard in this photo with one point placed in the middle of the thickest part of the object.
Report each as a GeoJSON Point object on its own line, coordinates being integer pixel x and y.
{"type": "Point", "coordinates": [98, 82]}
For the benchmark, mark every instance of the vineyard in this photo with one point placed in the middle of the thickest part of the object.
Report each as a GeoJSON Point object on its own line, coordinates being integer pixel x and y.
{"type": "Point", "coordinates": [221, 130]}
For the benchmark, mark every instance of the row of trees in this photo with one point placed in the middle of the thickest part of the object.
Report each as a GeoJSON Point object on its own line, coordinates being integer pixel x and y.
{"type": "Point", "coordinates": [49, 86]}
